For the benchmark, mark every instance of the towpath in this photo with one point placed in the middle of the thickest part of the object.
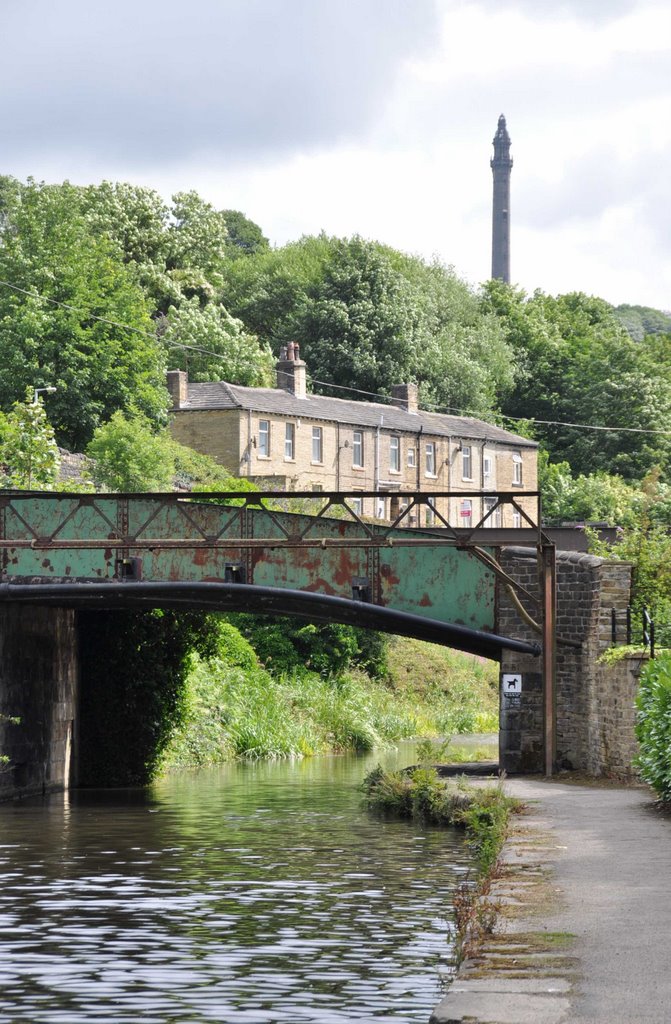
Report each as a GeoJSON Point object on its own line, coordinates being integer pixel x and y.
{"type": "Point", "coordinates": [587, 934]}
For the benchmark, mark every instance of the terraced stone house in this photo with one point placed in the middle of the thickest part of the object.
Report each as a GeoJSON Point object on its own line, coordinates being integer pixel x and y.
{"type": "Point", "coordinates": [287, 439]}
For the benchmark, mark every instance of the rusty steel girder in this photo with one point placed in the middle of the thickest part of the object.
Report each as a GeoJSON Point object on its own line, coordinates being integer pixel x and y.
{"type": "Point", "coordinates": [264, 540]}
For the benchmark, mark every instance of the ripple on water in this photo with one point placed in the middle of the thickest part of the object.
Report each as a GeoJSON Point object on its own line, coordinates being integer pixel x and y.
{"type": "Point", "coordinates": [251, 894]}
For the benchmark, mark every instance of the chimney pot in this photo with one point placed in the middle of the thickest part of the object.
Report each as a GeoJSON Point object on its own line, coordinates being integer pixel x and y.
{"type": "Point", "coordinates": [291, 371]}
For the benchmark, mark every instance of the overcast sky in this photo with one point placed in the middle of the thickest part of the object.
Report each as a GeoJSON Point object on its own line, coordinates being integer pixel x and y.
{"type": "Point", "coordinates": [368, 116]}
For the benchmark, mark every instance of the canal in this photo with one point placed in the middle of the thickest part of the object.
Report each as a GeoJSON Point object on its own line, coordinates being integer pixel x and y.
{"type": "Point", "coordinates": [247, 894]}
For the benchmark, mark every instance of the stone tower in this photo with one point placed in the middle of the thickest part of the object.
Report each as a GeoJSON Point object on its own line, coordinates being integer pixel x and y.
{"type": "Point", "coordinates": [501, 166]}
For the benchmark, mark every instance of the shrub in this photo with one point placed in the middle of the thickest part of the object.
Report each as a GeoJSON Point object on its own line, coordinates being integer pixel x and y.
{"type": "Point", "coordinates": [653, 725]}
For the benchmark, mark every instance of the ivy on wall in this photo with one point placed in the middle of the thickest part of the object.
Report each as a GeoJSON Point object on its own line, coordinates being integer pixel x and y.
{"type": "Point", "coordinates": [133, 673]}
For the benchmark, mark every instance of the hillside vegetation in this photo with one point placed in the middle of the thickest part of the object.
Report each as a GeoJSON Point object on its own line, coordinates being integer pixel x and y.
{"type": "Point", "coordinates": [102, 288]}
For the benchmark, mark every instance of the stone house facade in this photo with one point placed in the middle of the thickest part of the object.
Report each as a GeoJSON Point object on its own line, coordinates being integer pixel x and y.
{"type": "Point", "coordinates": [284, 438]}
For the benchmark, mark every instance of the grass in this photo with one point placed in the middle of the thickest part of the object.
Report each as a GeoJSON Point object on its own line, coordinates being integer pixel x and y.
{"type": "Point", "coordinates": [244, 711]}
{"type": "Point", "coordinates": [483, 811]}
{"type": "Point", "coordinates": [461, 687]}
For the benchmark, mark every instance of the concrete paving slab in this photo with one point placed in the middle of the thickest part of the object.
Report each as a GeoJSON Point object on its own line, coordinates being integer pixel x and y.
{"type": "Point", "coordinates": [500, 1008]}
{"type": "Point", "coordinates": [604, 866]}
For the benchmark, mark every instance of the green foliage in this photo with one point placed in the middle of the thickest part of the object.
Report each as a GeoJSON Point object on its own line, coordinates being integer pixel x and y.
{"type": "Point", "coordinates": [577, 365]}
{"type": "Point", "coordinates": [368, 317]}
{"type": "Point", "coordinates": [47, 248]}
{"type": "Point", "coordinates": [285, 645]}
{"type": "Point", "coordinates": [229, 352]}
{"type": "Point", "coordinates": [244, 236]}
{"type": "Point", "coordinates": [461, 689]}
{"type": "Point", "coordinates": [484, 811]}
{"type": "Point", "coordinates": [653, 725]}
{"type": "Point", "coordinates": [614, 655]}
{"type": "Point", "coordinates": [432, 751]}
{"type": "Point", "coordinates": [130, 455]}
{"type": "Point", "coordinates": [28, 449]}
{"type": "Point", "coordinates": [134, 667]}
{"type": "Point", "coordinates": [646, 543]}
{"type": "Point", "coordinates": [596, 497]}
{"type": "Point", "coordinates": [640, 321]}
{"type": "Point", "coordinates": [234, 712]}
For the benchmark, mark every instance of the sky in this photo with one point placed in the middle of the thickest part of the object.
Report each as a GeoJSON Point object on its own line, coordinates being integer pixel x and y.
{"type": "Point", "coordinates": [370, 117]}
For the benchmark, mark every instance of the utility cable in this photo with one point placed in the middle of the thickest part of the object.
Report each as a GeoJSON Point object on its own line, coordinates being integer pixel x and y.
{"type": "Point", "coordinates": [446, 410]}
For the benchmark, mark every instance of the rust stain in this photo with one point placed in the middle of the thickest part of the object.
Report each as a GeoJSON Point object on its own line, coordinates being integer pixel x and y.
{"type": "Point", "coordinates": [321, 586]}
{"type": "Point", "coordinates": [46, 564]}
{"type": "Point", "coordinates": [425, 601]}
{"type": "Point", "coordinates": [389, 576]}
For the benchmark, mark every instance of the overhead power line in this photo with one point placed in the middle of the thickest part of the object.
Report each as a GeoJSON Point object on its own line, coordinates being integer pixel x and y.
{"type": "Point", "coordinates": [447, 410]}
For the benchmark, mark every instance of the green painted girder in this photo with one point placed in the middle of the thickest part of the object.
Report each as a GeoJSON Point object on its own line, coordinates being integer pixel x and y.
{"type": "Point", "coordinates": [84, 537]}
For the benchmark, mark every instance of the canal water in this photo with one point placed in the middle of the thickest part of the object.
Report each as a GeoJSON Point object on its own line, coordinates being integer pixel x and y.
{"type": "Point", "coordinates": [247, 894]}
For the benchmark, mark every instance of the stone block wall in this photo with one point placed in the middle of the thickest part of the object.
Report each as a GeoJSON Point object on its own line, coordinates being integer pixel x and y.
{"type": "Point", "coordinates": [38, 684]}
{"type": "Point", "coordinates": [587, 589]}
{"type": "Point", "coordinates": [613, 745]}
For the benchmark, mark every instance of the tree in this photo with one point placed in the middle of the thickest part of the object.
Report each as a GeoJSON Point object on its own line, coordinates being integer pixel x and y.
{"type": "Point", "coordinates": [578, 368]}
{"type": "Point", "coordinates": [640, 321]}
{"type": "Point", "coordinates": [129, 455]}
{"type": "Point", "coordinates": [368, 317]}
{"type": "Point", "coordinates": [60, 327]}
{"type": "Point", "coordinates": [28, 447]}
{"type": "Point", "coordinates": [228, 352]}
{"type": "Point", "coordinates": [244, 236]}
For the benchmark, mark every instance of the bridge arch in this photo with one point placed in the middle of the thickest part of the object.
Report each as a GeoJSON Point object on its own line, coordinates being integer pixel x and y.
{"type": "Point", "coordinates": [234, 597]}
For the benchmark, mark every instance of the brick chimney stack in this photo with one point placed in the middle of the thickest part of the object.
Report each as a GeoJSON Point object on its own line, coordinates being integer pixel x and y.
{"type": "Point", "coordinates": [405, 396]}
{"type": "Point", "coordinates": [291, 370]}
{"type": "Point", "coordinates": [177, 382]}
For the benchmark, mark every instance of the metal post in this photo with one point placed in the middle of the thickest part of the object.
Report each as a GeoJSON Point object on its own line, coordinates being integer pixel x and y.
{"type": "Point", "coordinates": [548, 564]}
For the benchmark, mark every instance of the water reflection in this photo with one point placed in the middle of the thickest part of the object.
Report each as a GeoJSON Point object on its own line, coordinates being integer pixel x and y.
{"type": "Point", "coordinates": [262, 895]}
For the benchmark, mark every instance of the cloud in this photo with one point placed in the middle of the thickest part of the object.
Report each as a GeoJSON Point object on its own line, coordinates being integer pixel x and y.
{"type": "Point", "coordinates": [157, 80]}
{"type": "Point", "coordinates": [588, 10]}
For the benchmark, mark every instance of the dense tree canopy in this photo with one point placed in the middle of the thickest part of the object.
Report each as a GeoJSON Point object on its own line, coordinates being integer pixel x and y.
{"type": "Point", "coordinates": [61, 277]}
{"type": "Point", "coordinates": [86, 275]}
{"type": "Point", "coordinates": [577, 365]}
{"type": "Point", "coordinates": [368, 317]}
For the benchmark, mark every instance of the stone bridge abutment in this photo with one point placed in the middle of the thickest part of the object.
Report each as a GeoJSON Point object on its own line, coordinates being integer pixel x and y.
{"type": "Point", "coordinates": [593, 702]}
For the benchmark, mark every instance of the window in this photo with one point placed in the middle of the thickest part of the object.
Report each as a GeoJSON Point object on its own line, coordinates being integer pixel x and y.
{"type": "Point", "coordinates": [357, 506]}
{"type": "Point", "coordinates": [517, 469]}
{"type": "Point", "coordinates": [517, 520]}
{"type": "Point", "coordinates": [394, 455]}
{"type": "Point", "coordinates": [357, 448]}
{"type": "Point", "coordinates": [411, 458]}
{"type": "Point", "coordinates": [430, 514]}
{"type": "Point", "coordinates": [380, 508]}
{"type": "Point", "coordinates": [264, 439]}
{"type": "Point", "coordinates": [289, 440]}
{"type": "Point", "coordinates": [466, 462]}
{"type": "Point", "coordinates": [487, 467]}
{"type": "Point", "coordinates": [495, 518]}
{"type": "Point", "coordinates": [317, 488]}
{"type": "Point", "coordinates": [430, 458]}
{"type": "Point", "coordinates": [317, 444]}
{"type": "Point", "coordinates": [466, 511]}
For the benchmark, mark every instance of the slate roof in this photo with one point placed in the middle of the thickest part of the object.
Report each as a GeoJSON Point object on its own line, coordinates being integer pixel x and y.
{"type": "Point", "coordinates": [221, 395]}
